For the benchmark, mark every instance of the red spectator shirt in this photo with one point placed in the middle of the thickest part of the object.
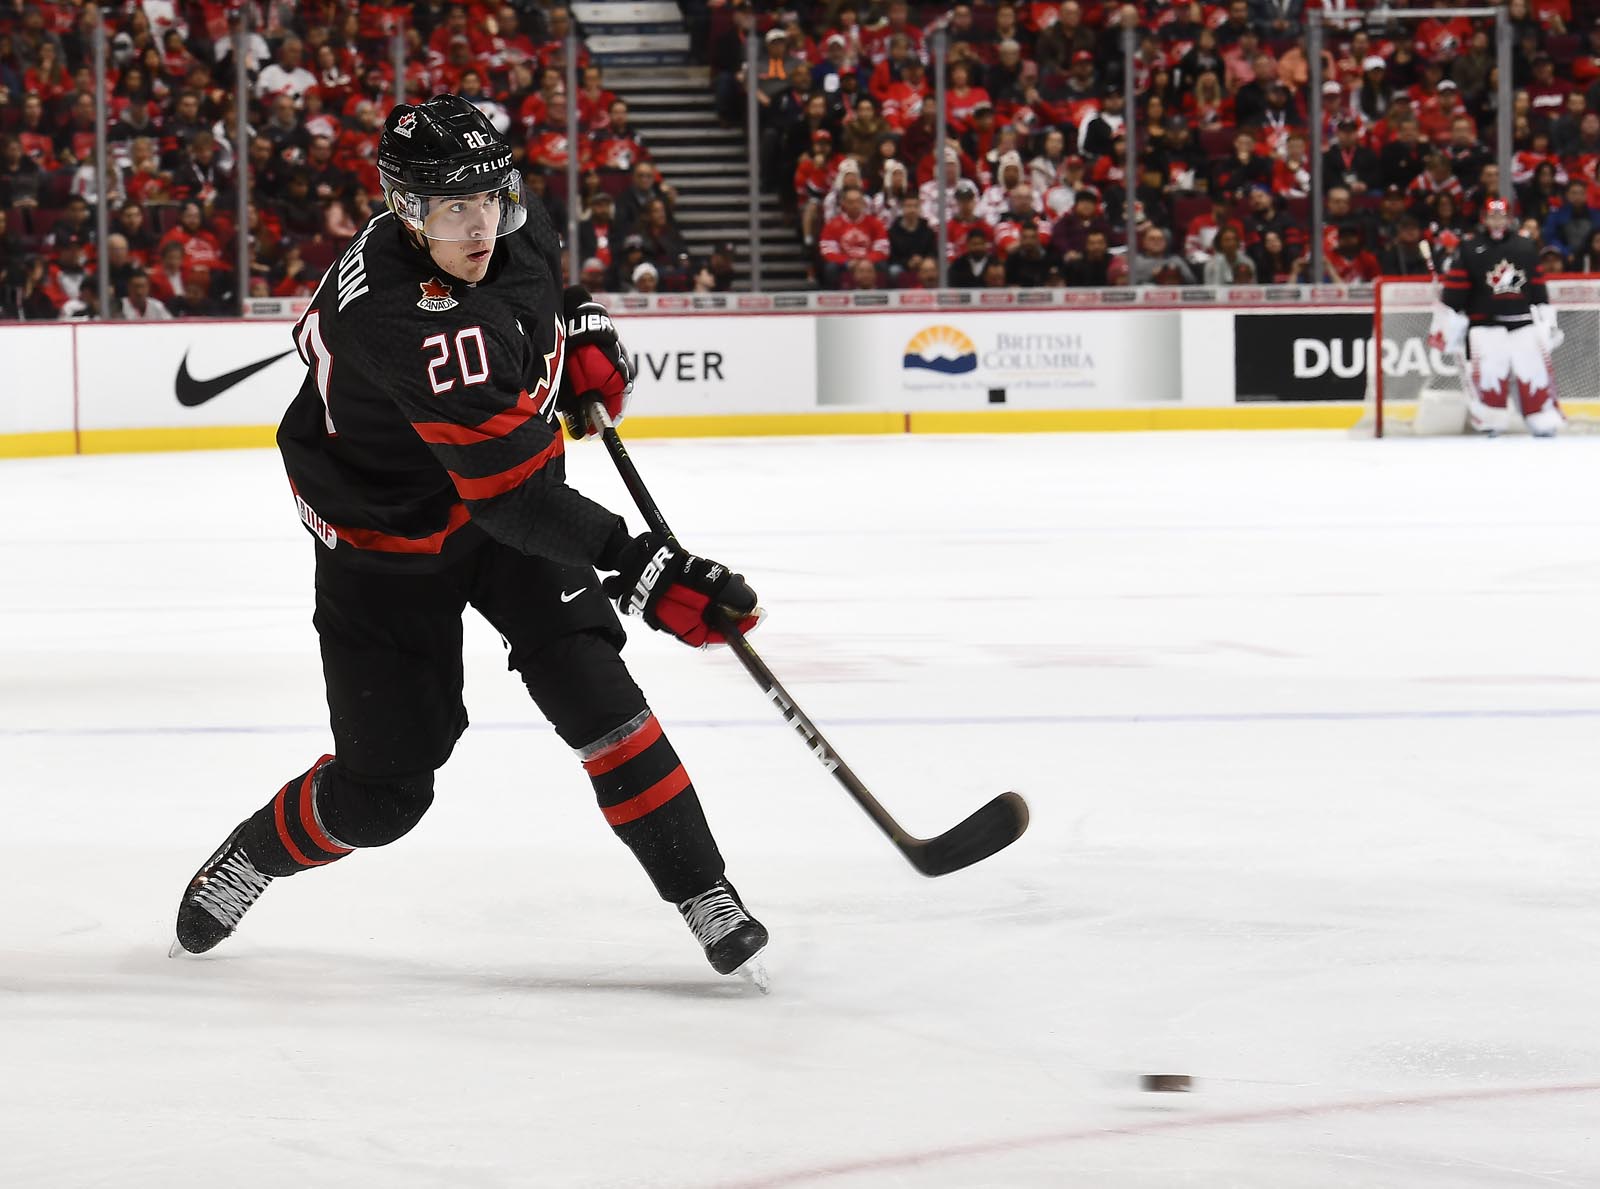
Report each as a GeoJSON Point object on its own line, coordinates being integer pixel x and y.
{"type": "Point", "coordinates": [1439, 41]}
{"type": "Point", "coordinates": [876, 41]}
{"type": "Point", "coordinates": [1363, 266]}
{"type": "Point", "coordinates": [199, 248]}
{"type": "Point", "coordinates": [813, 181]}
{"type": "Point", "coordinates": [844, 240]}
{"type": "Point", "coordinates": [1422, 186]}
{"type": "Point", "coordinates": [1548, 99]}
{"type": "Point", "coordinates": [549, 147]}
{"type": "Point", "coordinates": [1202, 233]}
{"type": "Point", "coordinates": [957, 232]}
{"type": "Point", "coordinates": [617, 152]}
{"type": "Point", "coordinates": [41, 148]}
{"type": "Point", "coordinates": [594, 112]}
{"type": "Point", "coordinates": [1524, 162]}
{"type": "Point", "coordinates": [959, 107]}
{"type": "Point", "coordinates": [902, 105]}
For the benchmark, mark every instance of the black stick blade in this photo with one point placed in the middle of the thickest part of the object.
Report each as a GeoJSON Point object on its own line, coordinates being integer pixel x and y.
{"type": "Point", "coordinates": [992, 828]}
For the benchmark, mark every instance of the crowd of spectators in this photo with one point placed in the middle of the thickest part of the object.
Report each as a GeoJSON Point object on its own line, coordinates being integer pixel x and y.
{"type": "Point", "coordinates": [1034, 163]}
{"type": "Point", "coordinates": [320, 80]}
{"type": "Point", "coordinates": [1036, 150]}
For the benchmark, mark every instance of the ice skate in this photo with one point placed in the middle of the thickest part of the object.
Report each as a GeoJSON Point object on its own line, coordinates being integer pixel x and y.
{"type": "Point", "coordinates": [220, 893]}
{"type": "Point", "coordinates": [731, 936]}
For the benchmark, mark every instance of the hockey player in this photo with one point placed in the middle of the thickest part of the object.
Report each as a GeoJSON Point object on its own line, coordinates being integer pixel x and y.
{"type": "Point", "coordinates": [425, 459]}
{"type": "Point", "coordinates": [1494, 300]}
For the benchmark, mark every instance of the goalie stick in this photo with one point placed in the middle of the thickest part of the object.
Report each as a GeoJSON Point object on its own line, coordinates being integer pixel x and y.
{"type": "Point", "coordinates": [993, 827]}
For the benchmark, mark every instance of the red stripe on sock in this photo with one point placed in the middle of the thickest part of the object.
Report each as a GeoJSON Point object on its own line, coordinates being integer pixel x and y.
{"type": "Point", "coordinates": [308, 816]}
{"type": "Point", "coordinates": [651, 799]}
{"type": "Point", "coordinates": [623, 750]}
{"type": "Point", "coordinates": [282, 823]}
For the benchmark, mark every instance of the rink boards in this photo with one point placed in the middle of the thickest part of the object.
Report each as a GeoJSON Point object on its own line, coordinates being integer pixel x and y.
{"type": "Point", "coordinates": [93, 388]}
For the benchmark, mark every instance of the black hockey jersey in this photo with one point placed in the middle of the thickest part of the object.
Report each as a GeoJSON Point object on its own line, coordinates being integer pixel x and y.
{"type": "Point", "coordinates": [1495, 281]}
{"type": "Point", "coordinates": [427, 415]}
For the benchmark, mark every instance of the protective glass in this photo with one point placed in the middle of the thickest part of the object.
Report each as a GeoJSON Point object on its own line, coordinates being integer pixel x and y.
{"type": "Point", "coordinates": [485, 215]}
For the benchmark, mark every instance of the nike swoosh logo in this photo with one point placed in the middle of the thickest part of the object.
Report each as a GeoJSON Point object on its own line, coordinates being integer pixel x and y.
{"type": "Point", "coordinates": [567, 597]}
{"type": "Point", "coordinates": [192, 392]}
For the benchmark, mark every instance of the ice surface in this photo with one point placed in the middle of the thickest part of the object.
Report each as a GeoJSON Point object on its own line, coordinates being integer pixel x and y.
{"type": "Point", "coordinates": [1308, 726]}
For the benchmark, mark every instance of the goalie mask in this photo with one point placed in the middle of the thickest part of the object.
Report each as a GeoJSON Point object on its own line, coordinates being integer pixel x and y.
{"type": "Point", "coordinates": [1496, 217]}
{"type": "Point", "coordinates": [447, 174]}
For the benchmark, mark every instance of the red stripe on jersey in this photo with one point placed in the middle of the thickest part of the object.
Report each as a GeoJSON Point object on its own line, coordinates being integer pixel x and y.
{"type": "Point", "coordinates": [492, 485]}
{"type": "Point", "coordinates": [448, 433]}
{"type": "Point", "coordinates": [1457, 285]}
{"type": "Point", "coordinates": [372, 539]}
{"type": "Point", "coordinates": [308, 816]}
{"type": "Point", "coordinates": [623, 750]}
{"type": "Point", "coordinates": [650, 800]}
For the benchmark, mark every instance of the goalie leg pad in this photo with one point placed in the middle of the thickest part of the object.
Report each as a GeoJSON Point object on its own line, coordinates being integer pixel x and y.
{"type": "Point", "coordinates": [1485, 379]}
{"type": "Point", "coordinates": [1535, 376]}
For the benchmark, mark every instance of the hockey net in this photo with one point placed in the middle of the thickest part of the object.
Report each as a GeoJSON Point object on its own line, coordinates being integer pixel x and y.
{"type": "Point", "coordinates": [1417, 391]}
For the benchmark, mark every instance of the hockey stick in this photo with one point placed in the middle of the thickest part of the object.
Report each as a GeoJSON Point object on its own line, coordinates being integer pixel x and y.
{"type": "Point", "coordinates": [992, 828]}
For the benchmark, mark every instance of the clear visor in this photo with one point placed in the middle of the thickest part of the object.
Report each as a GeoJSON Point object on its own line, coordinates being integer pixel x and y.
{"type": "Point", "coordinates": [485, 215]}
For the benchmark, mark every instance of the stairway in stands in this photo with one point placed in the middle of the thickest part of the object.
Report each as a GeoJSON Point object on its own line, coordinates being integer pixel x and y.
{"type": "Point", "coordinates": [645, 54]}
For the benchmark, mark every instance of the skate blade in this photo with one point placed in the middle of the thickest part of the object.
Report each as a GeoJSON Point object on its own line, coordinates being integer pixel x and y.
{"type": "Point", "coordinates": [754, 972]}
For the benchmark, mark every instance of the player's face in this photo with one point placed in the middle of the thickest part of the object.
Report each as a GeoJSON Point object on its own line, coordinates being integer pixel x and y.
{"type": "Point", "coordinates": [1494, 222]}
{"type": "Point", "coordinates": [461, 234]}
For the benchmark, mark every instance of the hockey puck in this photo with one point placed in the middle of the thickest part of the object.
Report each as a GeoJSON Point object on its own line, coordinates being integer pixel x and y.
{"type": "Point", "coordinates": [1180, 1083]}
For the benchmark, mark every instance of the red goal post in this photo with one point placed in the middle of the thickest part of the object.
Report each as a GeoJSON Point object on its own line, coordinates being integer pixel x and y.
{"type": "Point", "coordinates": [1417, 391]}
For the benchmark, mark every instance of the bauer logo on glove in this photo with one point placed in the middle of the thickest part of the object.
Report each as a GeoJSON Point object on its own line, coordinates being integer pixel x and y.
{"type": "Point", "coordinates": [597, 367]}
{"type": "Point", "coordinates": [680, 593]}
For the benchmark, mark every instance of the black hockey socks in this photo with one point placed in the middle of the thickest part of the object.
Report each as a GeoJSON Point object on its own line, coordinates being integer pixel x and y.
{"type": "Point", "coordinates": [288, 834]}
{"type": "Point", "coordinates": [648, 800]}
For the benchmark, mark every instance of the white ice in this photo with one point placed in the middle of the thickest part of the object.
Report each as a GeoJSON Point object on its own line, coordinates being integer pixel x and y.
{"type": "Point", "coordinates": [1308, 726]}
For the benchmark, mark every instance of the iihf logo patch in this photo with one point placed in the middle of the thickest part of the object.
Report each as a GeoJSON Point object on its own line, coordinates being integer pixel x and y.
{"type": "Point", "coordinates": [1506, 277]}
{"type": "Point", "coordinates": [405, 124]}
{"type": "Point", "coordinates": [436, 297]}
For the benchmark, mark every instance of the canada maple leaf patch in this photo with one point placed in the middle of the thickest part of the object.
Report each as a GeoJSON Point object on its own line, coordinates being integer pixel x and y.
{"type": "Point", "coordinates": [436, 296]}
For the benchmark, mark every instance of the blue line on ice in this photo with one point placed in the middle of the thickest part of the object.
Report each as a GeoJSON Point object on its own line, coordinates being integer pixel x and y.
{"type": "Point", "coordinates": [994, 720]}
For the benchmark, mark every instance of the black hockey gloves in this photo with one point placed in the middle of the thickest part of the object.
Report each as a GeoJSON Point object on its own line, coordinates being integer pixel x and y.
{"type": "Point", "coordinates": [596, 367]}
{"type": "Point", "coordinates": [673, 590]}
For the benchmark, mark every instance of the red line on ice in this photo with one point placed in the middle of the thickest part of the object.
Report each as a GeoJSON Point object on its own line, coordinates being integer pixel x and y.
{"type": "Point", "coordinates": [800, 1176]}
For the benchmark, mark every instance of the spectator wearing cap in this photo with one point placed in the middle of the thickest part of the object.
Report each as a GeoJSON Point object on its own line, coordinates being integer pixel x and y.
{"type": "Point", "coordinates": [1155, 263]}
{"type": "Point", "coordinates": [1403, 257]}
{"type": "Point", "coordinates": [1098, 131]}
{"type": "Point", "coordinates": [1569, 226]}
{"type": "Point", "coordinates": [592, 273]}
{"type": "Point", "coordinates": [966, 220]}
{"type": "Point", "coordinates": [1350, 163]}
{"type": "Point", "coordinates": [827, 74]}
{"type": "Point", "coordinates": [1376, 93]}
{"type": "Point", "coordinates": [645, 279]}
{"type": "Point", "coordinates": [911, 238]}
{"type": "Point", "coordinates": [1071, 231]}
{"type": "Point", "coordinates": [1551, 261]}
{"type": "Point", "coordinates": [813, 181]}
{"type": "Point", "coordinates": [139, 305]}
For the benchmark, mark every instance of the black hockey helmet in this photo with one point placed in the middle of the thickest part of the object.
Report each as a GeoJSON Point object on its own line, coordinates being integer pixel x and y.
{"type": "Point", "coordinates": [434, 156]}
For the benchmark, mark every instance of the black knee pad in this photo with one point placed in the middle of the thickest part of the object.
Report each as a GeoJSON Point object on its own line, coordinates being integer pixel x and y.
{"type": "Point", "coordinates": [365, 813]}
